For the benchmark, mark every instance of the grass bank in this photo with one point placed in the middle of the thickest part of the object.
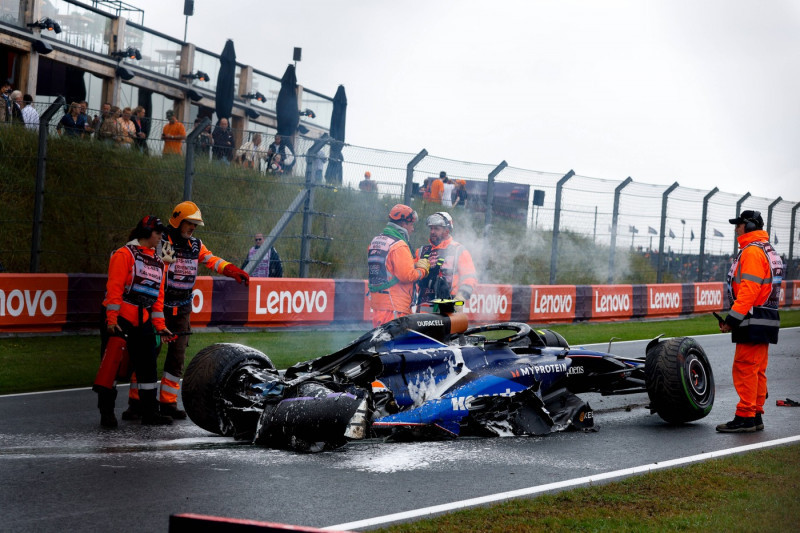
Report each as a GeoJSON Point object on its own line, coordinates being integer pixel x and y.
{"type": "Point", "coordinates": [72, 361]}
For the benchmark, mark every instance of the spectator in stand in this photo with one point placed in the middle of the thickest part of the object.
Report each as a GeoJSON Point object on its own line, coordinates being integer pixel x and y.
{"type": "Point", "coordinates": [127, 129]}
{"type": "Point", "coordinates": [5, 104]}
{"type": "Point", "coordinates": [460, 195]}
{"type": "Point", "coordinates": [173, 133]}
{"type": "Point", "coordinates": [140, 121]}
{"type": "Point", "coordinates": [203, 142]}
{"type": "Point", "coordinates": [278, 147]}
{"type": "Point", "coordinates": [16, 108]}
{"type": "Point", "coordinates": [252, 153]}
{"type": "Point", "coordinates": [437, 188]}
{"type": "Point", "coordinates": [83, 106]}
{"type": "Point", "coordinates": [367, 185]}
{"type": "Point", "coordinates": [447, 192]}
{"type": "Point", "coordinates": [29, 114]}
{"type": "Point", "coordinates": [275, 166]}
{"type": "Point", "coordinates": [105, 110]}
{"type": "Point", "coordinates": [73, 123]}
{"type": "Point", "coordinates": [109, 130]}
{"type": "Point", "coordinates": [270, 265]}
{"type": "Point", "coordinates": [223, 142]}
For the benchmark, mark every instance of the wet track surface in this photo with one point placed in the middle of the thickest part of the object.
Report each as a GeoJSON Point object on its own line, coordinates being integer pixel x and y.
{"type": "Point", "coordinates": [60, 471]}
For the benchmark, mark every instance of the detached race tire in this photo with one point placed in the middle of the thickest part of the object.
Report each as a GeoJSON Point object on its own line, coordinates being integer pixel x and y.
{"type": "Point", "coordinates": [216, 388]}
{"type": "Point", "coordinates": [679, 380]}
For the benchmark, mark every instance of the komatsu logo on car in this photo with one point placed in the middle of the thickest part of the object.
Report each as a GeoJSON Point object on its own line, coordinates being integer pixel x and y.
{"type": "Point", "coordinates": [425, 323]}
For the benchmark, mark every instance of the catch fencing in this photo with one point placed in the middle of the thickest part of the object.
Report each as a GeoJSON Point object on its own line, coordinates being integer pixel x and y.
{"type": "Point", "coordinates": [64, 211]}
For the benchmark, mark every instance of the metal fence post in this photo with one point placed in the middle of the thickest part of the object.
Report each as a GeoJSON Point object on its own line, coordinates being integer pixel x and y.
{"type": "Point", "coordinates": [556, 223]}
{"type": "Point", "coordinates": [614, 220]}
{"type": "Point", "coordinates": [738, 212]}
{"type": "Point", "coordinates": [769, 213]}
{"type": "Point", "coordinates": [305, 244]}
{"type": "Point", "coordinates": [409, 188]}
{"type": "Point", "coordinates": [793, 227]}
{"type": "Point", "coordinates": [490, 195]}
{"type": "Point", "coordinates": [188, 173]}
{"type": "Point", "coordinates": [703, 224]}
{"type": "Point", "coordinates": [38, 202]}
{"type": "Point", "coordinates": [663, 227]}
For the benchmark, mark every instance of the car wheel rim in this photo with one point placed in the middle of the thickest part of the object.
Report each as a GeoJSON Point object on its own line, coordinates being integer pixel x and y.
{"type": "Point", "coordinates": [698, 380]}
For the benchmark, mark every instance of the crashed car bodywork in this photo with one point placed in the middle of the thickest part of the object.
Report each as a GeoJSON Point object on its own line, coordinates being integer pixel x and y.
{"type": "Point", "coordinates": [430, 376]}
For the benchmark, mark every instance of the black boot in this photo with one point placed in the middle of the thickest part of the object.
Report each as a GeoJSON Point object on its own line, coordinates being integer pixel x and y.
{"type": "Point", "coordinates": [150, 414]}
{"type": "Point", "coordinates": [739, 424]}
{"type": "Point", "coordinates": [759, 422]}
{"type": "Point", "coordinates": [134, 410]}
{"type": "Point", "coordinates": [171, 410]}
{"type": "Point", "coordinates": [106, 398]}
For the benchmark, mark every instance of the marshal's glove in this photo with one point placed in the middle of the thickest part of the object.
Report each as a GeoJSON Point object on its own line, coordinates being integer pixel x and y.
{"type": "Point", "coordinates": [424, 264]}
{"type": "Point", "coordinates": [166, 252]}
{"type": "Point", "coordinates": [232, 271]}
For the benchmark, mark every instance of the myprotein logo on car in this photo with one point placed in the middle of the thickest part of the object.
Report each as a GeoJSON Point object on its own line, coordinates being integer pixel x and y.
{"type": "Point", "coordinates": [38, 300]}
{"type": "Point", "coordinates": [296, 300]}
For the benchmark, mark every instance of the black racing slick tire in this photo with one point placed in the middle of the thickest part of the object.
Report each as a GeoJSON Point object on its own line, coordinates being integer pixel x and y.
{"type": "Point", "coordinates": [217, 388]}
{"type": "Point", "coordinates": [679, 380]}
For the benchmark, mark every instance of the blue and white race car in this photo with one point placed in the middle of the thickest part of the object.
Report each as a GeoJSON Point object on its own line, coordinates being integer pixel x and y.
{"type": "Point", "coordinates": [428, 376]}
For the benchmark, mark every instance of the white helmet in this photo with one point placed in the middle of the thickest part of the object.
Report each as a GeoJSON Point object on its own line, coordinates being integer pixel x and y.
{"type": "Point", "coordinates": [440, 219]}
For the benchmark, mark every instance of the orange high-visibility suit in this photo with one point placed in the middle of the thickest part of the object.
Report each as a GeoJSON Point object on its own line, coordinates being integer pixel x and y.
{"type": "Point", "coordinates": [753, 283]}
{"type": "Point", "coordinates": [452, 272]}
{"type": "Point", "coordinates": [392, 275]}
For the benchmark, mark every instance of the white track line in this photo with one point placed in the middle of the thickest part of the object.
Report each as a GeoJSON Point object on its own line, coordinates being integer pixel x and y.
{"type": "Point", "coordinates": [560, 485]}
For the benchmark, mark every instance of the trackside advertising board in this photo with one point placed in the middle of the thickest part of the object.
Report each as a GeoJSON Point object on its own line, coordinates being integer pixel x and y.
{"type": "Point", "coordinates": [33, 302]}
{"type": "Point", "coordinates": [59, 302]}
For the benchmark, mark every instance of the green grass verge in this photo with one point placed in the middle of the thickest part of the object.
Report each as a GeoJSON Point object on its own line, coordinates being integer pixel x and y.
{"type": "Point", "coordinates": [756, 491]}
{"type": "Point", "coordinates": [72, 360]}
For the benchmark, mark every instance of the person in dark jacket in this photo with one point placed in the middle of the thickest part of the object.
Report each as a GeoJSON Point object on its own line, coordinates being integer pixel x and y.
{"type": "Point", "coordinates": [223, 142]}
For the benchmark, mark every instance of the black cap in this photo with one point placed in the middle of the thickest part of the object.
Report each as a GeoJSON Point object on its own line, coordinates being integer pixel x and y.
{"type": "Point", "coordinates": [442, 174]}
{"type": "Point", "coordinates": [748, 216]}
{"type": "Point", "coordinates": [152, 223]}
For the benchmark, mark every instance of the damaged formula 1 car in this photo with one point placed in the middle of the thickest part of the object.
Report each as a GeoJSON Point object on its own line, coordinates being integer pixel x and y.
{"type": "Point", "coordinates": [427, 376]}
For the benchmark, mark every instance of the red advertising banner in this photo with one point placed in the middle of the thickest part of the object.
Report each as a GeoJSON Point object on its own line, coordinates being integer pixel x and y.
{"type": "Point", "coordinates": [612, 302]}
{"type": "Point", "coordinates": [709, 296]}
{"type": "Point", "coordinates": [33, 302]}
{"type": "Point", "coordinates": [552, 303]}
{"type": "Point", "coordinates": [782, 294]}
{"type": "Point", "coordinates": [290, 301]}
{"type": "Point", "coordinates": [489, 303]}
{"type": "Point", "coordinates": [201, 300]}
{"type": "Point", "coordinates": [664, 300]}
{"type": "Point", "coordinates": [794, 297]}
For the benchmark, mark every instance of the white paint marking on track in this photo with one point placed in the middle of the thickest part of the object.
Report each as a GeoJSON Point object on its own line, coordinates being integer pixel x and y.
{"type": "Point", "coordinates": [560, 485]}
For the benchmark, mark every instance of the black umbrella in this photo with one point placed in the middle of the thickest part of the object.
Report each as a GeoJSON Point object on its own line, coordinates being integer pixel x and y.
{"type": "Point", "coordinates": [225, 78]}
{"type": "Point", "coordinates": [146, 101]}
{"type": "Point", "coordinates": [286, 105]}
{"type": "Point", "coordinates": [333, 174]}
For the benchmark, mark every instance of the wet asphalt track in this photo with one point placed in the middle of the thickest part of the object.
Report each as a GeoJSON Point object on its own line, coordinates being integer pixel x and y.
{"type": "Point", "coordinates": [59, 471]}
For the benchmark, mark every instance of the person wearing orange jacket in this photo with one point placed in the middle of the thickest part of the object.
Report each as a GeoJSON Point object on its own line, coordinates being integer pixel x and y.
{"type": "Point", "coordinates": [437, 188]}
{"type": "Point", "coordinates": [183, 253]}
{"type": "Point", "coordinates": [754, 283]}
{"type": "Point", "coordinates": [392, 270]}
{"type": "Point", "coordinates": [134, 305]}
{"type": "Point", "coordinates": [452, 272]}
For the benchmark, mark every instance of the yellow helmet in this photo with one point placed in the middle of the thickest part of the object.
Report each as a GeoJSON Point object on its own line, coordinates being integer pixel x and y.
{"type": "Point", "coordinates": [186, 211]}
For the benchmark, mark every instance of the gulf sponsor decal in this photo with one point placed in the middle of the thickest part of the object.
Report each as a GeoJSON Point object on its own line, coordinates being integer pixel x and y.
{"type": "Point", "coordinates": [290, 301]}
{"type": "Point", "coordinates": [612, 302]}
{"type": "Point", "coordinates": [489, 303]}
{"type": "Point", "coordinates": [201, 300]}
{"type": "Point", "coordinates": [552, 303]}
{"type": "Point", "coordinates": [33, 302]}
{"type": "Point", "coordinates": [709, 296]}
{"type": "Point", "coordinates": [664, 299]}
